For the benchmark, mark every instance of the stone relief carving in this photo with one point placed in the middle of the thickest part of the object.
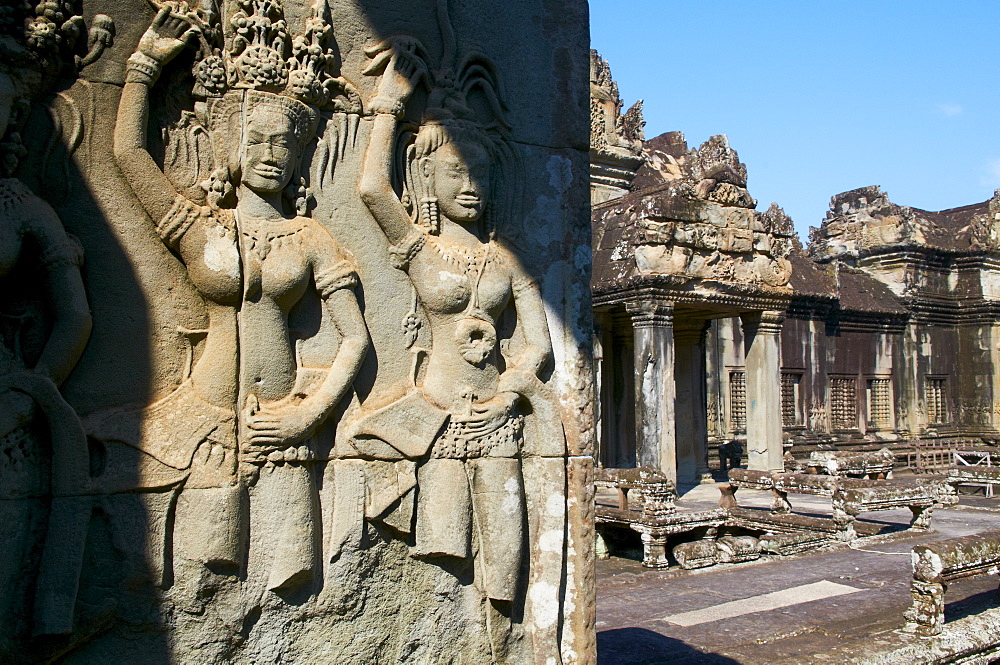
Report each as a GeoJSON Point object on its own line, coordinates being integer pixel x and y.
{"type": "Point", "coordinates": [455, 438]}
{"type": "Point", "coordinates": [864, 221]}
{"type": "Point", "coordinates": [235, 437]}
{"type": "Point", "coordinates": [45, 323]}
{"type": "Point", "coordinates": [270, 458]}
{"type": "Point", "coordinates": [984, 229]}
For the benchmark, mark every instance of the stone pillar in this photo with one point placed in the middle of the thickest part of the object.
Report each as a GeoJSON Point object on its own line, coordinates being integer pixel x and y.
{"type": "Point", "coordinates": [652, 323]}
{"type": "Point", "coordinates": [599, 438]}
{"type": "Point", "coordinates": [714, 367]}
{"type": "Point", "coordinates": [761, 339]}
{"type": "Point", "coordinates": [691, 416]}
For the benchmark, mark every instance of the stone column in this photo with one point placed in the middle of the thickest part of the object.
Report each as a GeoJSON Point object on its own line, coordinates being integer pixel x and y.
{"type": "Point", "coordinates": [691, 416]}
{"type": "Point", "coordinates": [761, 339]}
{"type": "Point", "coordinates": [652, 323]}
{"type": "Point", "coordinates": [714, 366]}
{"type": "Point", "coordinates": [599, 438]}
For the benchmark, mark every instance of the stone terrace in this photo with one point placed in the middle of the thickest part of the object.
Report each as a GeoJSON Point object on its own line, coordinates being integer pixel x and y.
{"type": "Point", "coordinates": [854, 597]}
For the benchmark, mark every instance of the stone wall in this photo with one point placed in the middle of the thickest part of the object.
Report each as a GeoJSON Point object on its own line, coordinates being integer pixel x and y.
{"type": "Point", "coordinates": [332, 399]}
{"type": "Point", "coordinates": [889, 334]}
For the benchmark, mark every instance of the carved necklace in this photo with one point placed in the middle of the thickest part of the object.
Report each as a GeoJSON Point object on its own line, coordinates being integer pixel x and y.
{"type": "Point", "coordinates": [261, 236]}
{"type": "Point", "coordinates": [464, 259]}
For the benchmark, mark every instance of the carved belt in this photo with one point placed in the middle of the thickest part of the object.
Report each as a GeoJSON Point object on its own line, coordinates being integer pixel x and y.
{"type": "Point", "coordinates": [456, 442]}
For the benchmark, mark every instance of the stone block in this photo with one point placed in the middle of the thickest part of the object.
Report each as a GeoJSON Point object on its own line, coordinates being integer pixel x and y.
{"type": "Point", "coordinates": [697, 554]}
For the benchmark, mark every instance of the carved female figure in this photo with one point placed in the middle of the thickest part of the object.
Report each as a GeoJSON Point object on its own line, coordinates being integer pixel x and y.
{"type": "Point", "coordinates": [464, 421]}
{"type": "Point", "coordinates": [252, 254]}
{"type": "Point", "coordinates": [43, 451]}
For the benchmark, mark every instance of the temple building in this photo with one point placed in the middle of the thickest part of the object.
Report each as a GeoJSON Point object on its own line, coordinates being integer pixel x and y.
{"type": "Point", "coordinates": [715, 325]}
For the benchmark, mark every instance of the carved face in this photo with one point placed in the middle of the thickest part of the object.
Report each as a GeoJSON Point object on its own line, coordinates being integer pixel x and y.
{"type": "Point", "coordinates": [269, 154]}
{"type": "Point", "coordinates": [460, 177]}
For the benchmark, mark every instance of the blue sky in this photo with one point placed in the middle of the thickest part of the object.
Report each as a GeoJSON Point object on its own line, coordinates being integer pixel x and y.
{"type": "Point", "coordinates": [821, 97]}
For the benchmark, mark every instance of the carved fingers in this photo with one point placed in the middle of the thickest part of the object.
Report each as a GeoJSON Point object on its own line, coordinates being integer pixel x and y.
{"type": "Point", "coordinates": [402, 62]}
{"type": "Point", "coordinates": [213, 465]}
{"type": "Point", "coordinates": [488, 416]}
{"type": "Point", "coordinates": [174, 25]}
{"type": "Point", "coordinates": [269, 431]}
{"type": "Point", "coordinates": [382, 52]}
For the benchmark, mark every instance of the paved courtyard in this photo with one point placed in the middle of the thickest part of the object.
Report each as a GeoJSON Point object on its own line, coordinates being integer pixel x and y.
{"type": "Point", "coordinates": [838, 605]}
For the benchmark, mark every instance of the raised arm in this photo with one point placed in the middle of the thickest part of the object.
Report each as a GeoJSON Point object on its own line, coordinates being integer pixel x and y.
{"type": "Point", "coordinates": [402, 71]}
{"type": "Point", "coordinates": [376, 189]}
{"type": "Point", "coordinates": [164, 39]}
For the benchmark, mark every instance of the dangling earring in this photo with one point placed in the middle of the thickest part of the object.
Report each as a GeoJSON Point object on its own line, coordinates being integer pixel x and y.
{"type": "Point", "coordinates": [217, 187]}
{"type": "Point", "coordinates": [489, 224]}
{"type": "Point", "coordinates": [303, 197]}
{"type": "Point", "coordinates": [430, 214]}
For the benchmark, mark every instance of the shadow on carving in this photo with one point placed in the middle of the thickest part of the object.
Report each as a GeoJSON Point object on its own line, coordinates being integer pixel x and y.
{"type": "Point", "coordinates": [320, 387]}
{"type": "Point", "coordinates": [74, 553]}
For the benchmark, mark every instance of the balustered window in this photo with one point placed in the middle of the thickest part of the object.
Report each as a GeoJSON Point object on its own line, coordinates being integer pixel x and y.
{"type": "Point", "coordinates": [738, 401]}
{"type": "Point", "coordinates": [844, 402]}
{"type": "Point", "coordinates": [790, 399]}
{"type": "Point", "coordinates": [879, 403]}
{"type": "Point", "coordinates": [934, 396]}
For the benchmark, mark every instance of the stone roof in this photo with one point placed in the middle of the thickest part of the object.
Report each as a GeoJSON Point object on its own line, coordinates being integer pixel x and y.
{"type": "Point", "coordinates": [850, 289]}
{"type": "Point", "coordinates": [681, 221]}
{"type": "Point", "coordinates": [690, 219]}
{"type": "Point", "coordinates": [864, 221]}
{"type": "Point", "coordinates": [860, 292]}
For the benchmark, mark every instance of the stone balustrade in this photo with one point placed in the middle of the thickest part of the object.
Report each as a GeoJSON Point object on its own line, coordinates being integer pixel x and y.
{"type": "Point", "coordinates": [935, 565]}
{"type": "Point", "coordinates": [876, 465]}
{"type": "Point", "coordinates": [984, 476]}
{"type": "Point", "coordinates": [652, 514]}
{"type": "Point", "coordinates": [849, 496]}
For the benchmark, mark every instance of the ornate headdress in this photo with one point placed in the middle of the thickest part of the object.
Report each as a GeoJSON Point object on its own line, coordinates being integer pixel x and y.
{"type": "Point", "coordinates": [248, 59]}
{"type": "Point", "coordinates": [257, 53]}
{"type": "Point", "coordinates": [47, 35]}
{"type": "Point", "coordinates": [450, 115]}
{"type": "Point", "coordinates": [40, 40]}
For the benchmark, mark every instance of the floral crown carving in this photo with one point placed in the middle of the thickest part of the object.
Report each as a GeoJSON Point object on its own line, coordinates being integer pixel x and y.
{"type": "Point", "coordinates": [249, 47]}
{"type": "Point", "coordinates": [51, 35]}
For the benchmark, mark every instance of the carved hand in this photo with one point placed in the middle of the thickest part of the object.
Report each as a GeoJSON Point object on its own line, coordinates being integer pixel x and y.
{"type": "Point", "coordinates": [402, 63]}
{"type": "Point", "coordinates": [174, 25]}
{"type": "Point", "coordinates": [213, 466]}
{"type": "Point", "coordinates": [276, 429]}
{"type": "Point", "coordinates": [490, 415]}
{"type": "Point", "coordinates": [16, 410]}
